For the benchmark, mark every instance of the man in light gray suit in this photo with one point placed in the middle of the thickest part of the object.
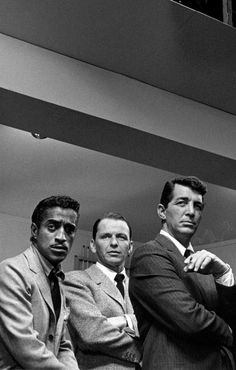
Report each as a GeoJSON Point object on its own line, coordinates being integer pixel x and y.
{"type": "Point", "coordinates": [102, 325]}
{"type": "Point", "coordinates": [32, 304]}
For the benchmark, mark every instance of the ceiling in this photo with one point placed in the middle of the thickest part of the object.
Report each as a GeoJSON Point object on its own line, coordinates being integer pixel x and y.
{"type": "Point", "coordinates": [154, 42]}
{"type": "Point", "coordinates": [161, 43]}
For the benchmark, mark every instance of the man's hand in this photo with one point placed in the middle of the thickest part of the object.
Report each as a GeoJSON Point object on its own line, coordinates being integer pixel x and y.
{"type": "Point", "coordinates": [205, 263]}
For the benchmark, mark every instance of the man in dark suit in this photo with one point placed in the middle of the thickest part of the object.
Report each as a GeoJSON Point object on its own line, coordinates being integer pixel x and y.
{"type": "Point", "coordinates": [32, 305]}
{"type": "Point", "coordinates": [177, 307]}
{"type": "Point", "coordinates": [102, 324]}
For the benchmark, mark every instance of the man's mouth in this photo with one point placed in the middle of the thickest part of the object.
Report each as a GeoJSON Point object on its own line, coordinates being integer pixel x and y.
{"type": "Point", "coordinates": [59, 248]}
{"type": "Point", "coordinates": [188, 223]}
{"type": "Point", "coordinates": [115, 253]}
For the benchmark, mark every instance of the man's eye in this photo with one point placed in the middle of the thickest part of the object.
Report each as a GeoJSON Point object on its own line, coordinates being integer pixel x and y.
{"type": "Point", "coordinates": [199, 206]}
{"type": "Point", "coordinates": [122, 237]}
{"type": "Point", "coordinates": [51, 227]}
{"type": "Point", "coordinates": [70, 230]}
{"type": "Point", "coordinates": [181, 203]}
{"type": "Point", "coordinates": [105, 236]}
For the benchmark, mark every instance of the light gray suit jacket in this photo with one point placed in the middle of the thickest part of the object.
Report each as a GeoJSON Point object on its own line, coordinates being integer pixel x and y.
{"type": "Point", "coordinates": [92, 298]}
{"type": "Point", "coordinates": [30, 338]}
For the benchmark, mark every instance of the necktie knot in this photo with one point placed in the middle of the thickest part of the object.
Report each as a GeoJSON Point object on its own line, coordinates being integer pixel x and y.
{"type": "Point", "coordinates": [119, 280]}
{"type": "Point", "coordinates": [53, 275]}
{"type": "Point", "coordinates": [56, 273]}
{"type": "Point", "coordinates": [187, 253]}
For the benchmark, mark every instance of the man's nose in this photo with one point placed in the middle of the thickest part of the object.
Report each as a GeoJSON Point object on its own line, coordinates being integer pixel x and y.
{"type": "Point", "coordinates": [113, 241]}
{"type": "Point", "coordinates": [61, 234]}
{"type": "Point", "coordinates": [190, 208]}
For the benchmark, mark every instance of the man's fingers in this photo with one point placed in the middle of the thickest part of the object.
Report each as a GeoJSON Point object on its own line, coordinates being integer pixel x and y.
{"type": "Point", "coordinates": [205, 262]}
{"type": "Point", "coordinates": [198, 261]}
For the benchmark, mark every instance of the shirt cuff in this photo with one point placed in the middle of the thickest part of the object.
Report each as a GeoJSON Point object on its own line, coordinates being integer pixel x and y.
{"type": "Point", "coordinates": [129, 322]}
{"type": "Point", "coordinates": [227, 279]}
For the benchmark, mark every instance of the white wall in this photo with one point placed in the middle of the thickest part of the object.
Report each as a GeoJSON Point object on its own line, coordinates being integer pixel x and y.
{"type": "Point", "coordinates": [14, 235]}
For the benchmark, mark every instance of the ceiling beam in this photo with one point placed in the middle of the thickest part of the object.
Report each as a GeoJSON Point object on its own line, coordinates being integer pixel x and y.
{"type": "Point", "coordinates": [91, 132]}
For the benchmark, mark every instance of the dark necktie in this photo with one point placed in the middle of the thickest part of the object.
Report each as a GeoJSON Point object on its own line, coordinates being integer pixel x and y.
{"type": "Point", "coordinates": [187, 253]}
{"type": "Point", "coordinates": [119, 283]}
{"type": "Point", "coordinates": [55, 291]}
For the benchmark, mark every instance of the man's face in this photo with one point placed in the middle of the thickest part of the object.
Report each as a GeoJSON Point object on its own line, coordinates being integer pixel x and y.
{"type": "Point", "coordinates": [183, 213]}
{"type": "Point", "coordinates": [56, 233]}
{"type": "Point", "coordinates": [112, 243]}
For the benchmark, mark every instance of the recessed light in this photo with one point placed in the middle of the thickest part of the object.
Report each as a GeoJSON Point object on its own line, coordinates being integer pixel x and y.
{"type": "Point", "coordinates": [38, 136]}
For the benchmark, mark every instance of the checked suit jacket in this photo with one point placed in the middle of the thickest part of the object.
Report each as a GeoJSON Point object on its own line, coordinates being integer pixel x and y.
{"type": "Point", "coordinates": [179, 314]}
{"type": "Point", "coordinates": [30, 337]}
{"type": "Point", "coordinates": [92, 298]}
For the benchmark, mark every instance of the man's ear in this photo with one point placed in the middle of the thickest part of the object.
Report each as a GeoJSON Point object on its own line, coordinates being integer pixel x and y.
{"type": "Point", "coordinates": [34, 230]}
{"type": "Point", "coordinates": [93, 246]}
{"type": "Point", "coordinates": [130, 247]}
{"type": "Point", "coordinates": [161, 211]}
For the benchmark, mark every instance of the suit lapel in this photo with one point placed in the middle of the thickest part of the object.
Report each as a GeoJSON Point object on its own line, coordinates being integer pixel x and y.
{"type": "Point", "coordinates": [40, 277]}
{"type": "Point", "coordinates": [169, 245]}
{"type": "Point", "coordinates": [106, 284]}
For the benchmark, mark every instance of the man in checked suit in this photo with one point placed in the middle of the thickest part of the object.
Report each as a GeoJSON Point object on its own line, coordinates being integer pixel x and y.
{"type": "Point", "coordinates": [102, 325]}
{"type": "Point", "coordinates": [32, 305]}
{"type": "Point", "coordinates": [180, 311]}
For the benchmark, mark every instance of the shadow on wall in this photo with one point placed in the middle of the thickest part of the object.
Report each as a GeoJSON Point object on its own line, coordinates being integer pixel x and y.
{"type": "Point", "coordinates": [208, 236]}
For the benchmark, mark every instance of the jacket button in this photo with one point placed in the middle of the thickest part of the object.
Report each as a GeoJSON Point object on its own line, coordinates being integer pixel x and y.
{"type": "Point", "coordinates": [50, 337]}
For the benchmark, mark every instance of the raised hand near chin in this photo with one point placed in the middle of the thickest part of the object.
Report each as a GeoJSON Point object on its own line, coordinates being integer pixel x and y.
{"type": "Point", "coordinates": [206, 263]}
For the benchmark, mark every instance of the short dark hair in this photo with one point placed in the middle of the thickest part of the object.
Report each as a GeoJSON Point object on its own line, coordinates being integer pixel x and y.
{"type": "Point", "coordinates": [191, 182]}
{"type": "Point", "coordinates": [112, 216]}
{"type": "Point", "coordinates": [62, 201]}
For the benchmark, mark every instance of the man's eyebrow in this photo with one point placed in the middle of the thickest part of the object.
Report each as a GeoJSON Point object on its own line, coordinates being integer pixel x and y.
{"type": "Point", "coordinates": [187, 198]}
{"type": "Point", "coordinates": [52, 220]}
{"type": "Point", "coordinates": [182, 198]}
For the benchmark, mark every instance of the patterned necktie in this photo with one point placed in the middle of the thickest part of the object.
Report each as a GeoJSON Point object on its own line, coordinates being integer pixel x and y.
{"type": "Point", "coordinates": [119, 283]}
{"type": "Point", "coordinates": [55, 291]}
{"type": "Point", "coordinates": [187, 253]}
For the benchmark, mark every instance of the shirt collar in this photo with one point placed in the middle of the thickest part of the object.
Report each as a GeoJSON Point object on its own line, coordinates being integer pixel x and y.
{"type": "Point", "coordinates": [47, 266]}
{"type": "Point", "coordinates": [178, 245]}
{"type": "Point", "coordinates": [108, 272]}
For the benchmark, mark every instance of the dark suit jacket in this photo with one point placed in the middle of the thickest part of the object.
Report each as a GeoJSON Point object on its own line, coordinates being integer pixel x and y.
{"type": "Point", "coordinates": [30, 337]}
{"type": "Point", "coordinates": [177, 312]}
{"type": "Point", "coordinates": [92, 298]}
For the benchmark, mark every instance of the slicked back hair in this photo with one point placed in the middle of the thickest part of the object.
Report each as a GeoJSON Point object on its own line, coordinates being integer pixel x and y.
{"type": "Point", "coordinates": [111, 216]}
{"type": "Point", "coordinates": [62, 201]}
{"type": "Point", "coordinates": [191, 182]}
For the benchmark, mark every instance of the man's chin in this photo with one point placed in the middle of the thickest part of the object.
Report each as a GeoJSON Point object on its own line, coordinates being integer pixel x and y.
{"type": "Point", "coordinates": [188, 230]}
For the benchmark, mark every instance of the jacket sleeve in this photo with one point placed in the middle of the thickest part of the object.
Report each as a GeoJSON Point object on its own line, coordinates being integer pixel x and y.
{"type": "Point", "coordinates": [159, 292]}
{"type": "Point", "coordinates": [18, 337]}
{"type": "Point", "coordinates": [227, 296]}
{"type": "Point", "coordinates": [89, 329]}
